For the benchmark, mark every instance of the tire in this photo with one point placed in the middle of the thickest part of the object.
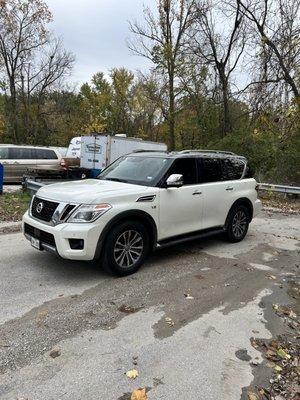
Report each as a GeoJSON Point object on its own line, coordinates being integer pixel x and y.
{"type": "Point", "coordinates": [237, 224]}
{"type": "Point", "coordinates": [126, 248]}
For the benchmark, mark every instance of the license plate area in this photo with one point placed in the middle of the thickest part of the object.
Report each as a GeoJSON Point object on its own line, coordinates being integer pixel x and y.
{"type": "Point", "coordinates": [35, 243]}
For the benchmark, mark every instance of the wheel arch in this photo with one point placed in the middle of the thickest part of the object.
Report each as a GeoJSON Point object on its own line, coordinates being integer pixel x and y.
{"type": "Point", "coordinates": [137, 215]}
{"type": "Point", "coordinates": [243, 201]}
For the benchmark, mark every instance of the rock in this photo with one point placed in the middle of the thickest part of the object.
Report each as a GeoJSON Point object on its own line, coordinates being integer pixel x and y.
{"type": "Point", "coordinates": [55, 352]}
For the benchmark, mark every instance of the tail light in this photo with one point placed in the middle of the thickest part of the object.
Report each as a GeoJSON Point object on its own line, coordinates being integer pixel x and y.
{"type": "Point", "coordinates": [63, 163]}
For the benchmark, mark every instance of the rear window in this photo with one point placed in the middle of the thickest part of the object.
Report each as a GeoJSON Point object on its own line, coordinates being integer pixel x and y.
{"type": "Point", "coordinates": [3, 153]}
{"type": "Point", "coordinates": [21, 153]}
{"type": "Point", "coordinates": [232, 169]}
{"type": "Point", "coordinates": [45, 154]}
{"type": "Point", "coordinates": [210, 170]}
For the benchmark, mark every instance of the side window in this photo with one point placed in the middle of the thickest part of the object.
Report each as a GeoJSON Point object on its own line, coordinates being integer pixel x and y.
{"type": "Point", "coordinates": [45, 154]}
{"type": "Point", "coordinates": [232, 169]}
{"type": "Point", "coordinates": [22, 153]}
{"type": "Point", "coordinates": [209, 170]}
{"type": "Point", "coordinates": [186, 167]}
{"type": "Point", "coordinates": [4, 153]}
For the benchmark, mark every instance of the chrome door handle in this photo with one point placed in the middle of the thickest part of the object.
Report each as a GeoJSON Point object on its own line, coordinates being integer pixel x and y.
{"type": "Point", "coordinates": [229, 188]}
{"type": "Point", "coordinates": [197, 193]}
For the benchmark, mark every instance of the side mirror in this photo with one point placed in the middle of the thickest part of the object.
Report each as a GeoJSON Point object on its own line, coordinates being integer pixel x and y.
{"type": "Point", "coordinates": [175, 180]}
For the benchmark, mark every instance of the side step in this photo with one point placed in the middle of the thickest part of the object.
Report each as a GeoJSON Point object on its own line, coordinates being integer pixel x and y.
{"type": "Point", "coordinates": [189, 237]}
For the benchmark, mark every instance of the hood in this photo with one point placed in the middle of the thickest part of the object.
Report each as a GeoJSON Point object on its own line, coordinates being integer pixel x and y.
{"type": "Point", "coordinates": [87, 191]}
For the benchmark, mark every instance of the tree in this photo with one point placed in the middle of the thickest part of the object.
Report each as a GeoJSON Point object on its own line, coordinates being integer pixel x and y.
{"type": "Point", "coordinates": [22, 31]}
{"type": "Point", "coordinates": [222, 51]}
{"type": "Point", "coordinates": [122, 101]}
{"type": "Point", "coordinates": [162, 41]}
{"type": "Point", "coordinates": [277, 24]}
{"type": "Point", "coordinates": [32, 62]}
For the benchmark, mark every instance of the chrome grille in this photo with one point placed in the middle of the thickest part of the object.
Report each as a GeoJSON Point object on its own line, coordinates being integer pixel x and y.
{"type": "Point", "coordinates": [43, 209]}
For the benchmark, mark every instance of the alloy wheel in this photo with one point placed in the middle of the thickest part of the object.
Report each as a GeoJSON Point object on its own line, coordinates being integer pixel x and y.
{"type": "Point", "coordinates": [128, 248]}
{"type": "Point", "coordinates": [239, 224]}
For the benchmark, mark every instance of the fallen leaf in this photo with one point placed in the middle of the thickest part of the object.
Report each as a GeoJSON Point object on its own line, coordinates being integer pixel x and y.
{"type": "Point", "coordinates": [40, 318]}
{"type": "Point", "coordinates": [283, 354]}
{"type": "Point", "coordinates": [271, 354]}
{"type": "Point", "coordinates": [252, 396]}
{"type": "Point", "coordinates": [169, 321]}
{"type": "Point", "coordinates": [278, 368]}
{"type": "Point", "coordinates": [132, 374]}
{"type": "Point", "coordinates": [139, 394]}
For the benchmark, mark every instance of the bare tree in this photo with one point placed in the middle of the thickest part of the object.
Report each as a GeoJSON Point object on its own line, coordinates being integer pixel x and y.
{"type": "Point", "coordinates": [277, 24]}
{"type": "Point", "coordinates": [40, 75]}
{"type": "Point", "coordinates": [222, 51]}
{"type": "Point", "coordinates": [22, 32]}
{"type": "Point", "coordinates": [162, 39]}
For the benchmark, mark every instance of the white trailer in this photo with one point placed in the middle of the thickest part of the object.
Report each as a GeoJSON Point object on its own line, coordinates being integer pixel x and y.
{"type": "Point", "coordinates": [101, 150]}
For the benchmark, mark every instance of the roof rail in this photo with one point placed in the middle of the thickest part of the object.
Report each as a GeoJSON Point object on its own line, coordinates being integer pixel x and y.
{"type": "Point", "coordinates": [149, 151]}
{"type": "Point", "coordinates": [207, 151]}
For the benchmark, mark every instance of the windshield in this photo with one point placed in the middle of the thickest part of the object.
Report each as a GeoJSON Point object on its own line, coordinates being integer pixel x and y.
{"type": "Point", "coordinates": [139, 170]}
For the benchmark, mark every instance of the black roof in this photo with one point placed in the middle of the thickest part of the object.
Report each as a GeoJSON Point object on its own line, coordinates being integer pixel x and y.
{"type": "Point", "coordinates": [187, 154]}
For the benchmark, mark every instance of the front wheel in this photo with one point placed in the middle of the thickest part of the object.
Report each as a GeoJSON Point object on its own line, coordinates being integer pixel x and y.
{"type": "Point", "coordinates": [126, 248]}
{"type": "Point", "coordinates": [237, 224]}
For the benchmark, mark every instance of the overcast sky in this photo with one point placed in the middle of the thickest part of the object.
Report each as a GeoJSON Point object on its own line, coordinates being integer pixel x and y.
{"type": "Point", "coordinates": [96, 32]}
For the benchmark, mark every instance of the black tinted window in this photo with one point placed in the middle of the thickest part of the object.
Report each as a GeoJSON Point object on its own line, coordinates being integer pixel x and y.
{"type": "Point", "coordinates": [21, 153]}
{"type": "Point", "coordinates": [186, 167]}
{"type": "Point", "coordinates": [210, 170]}
{"type": "Point", "coordinates": [4, 153]}
{"type": "Point", "coordinates": [45, 154]}
{"type": "Point", "coordinates": [232, 169]}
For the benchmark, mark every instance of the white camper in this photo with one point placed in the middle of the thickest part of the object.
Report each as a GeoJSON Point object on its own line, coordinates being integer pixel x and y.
{"type": "Point", "coordinates": [101, 150]}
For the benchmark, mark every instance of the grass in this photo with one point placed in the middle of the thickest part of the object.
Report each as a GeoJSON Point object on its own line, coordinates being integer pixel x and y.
{"type": "Point", "coordinates": [13, 206]}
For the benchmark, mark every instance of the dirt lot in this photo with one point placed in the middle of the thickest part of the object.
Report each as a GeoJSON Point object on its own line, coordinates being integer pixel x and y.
{"type": "Point", "coordinates": [199, 321]}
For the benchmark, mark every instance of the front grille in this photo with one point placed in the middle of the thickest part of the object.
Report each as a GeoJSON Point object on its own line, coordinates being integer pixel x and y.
{"type": "Point", "coordinates": [43, 236]}
{"type": "Point", "coordinates": [43, 209]}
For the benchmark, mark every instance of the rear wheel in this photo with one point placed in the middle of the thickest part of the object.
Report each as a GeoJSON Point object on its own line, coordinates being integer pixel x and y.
{"type": "Point", "coordinates": [237, 224]}
{"type": "Point", "coordinates": [126, 248]}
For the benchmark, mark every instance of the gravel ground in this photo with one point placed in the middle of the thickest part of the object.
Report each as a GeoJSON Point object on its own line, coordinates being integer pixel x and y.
{"type": "Point", "coordinates": [186, 321]}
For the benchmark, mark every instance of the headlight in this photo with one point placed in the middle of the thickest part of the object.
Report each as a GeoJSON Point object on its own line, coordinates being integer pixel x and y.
{"type": "Point", "coordinates": [89, 213]}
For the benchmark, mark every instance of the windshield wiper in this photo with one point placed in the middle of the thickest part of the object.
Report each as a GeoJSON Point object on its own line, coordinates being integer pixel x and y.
{"type": "Point", "coordinates": [116, 180]}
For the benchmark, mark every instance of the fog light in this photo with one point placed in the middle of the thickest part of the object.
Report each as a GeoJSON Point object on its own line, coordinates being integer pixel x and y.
{"type": "Point", "coordinates": [76, 244]}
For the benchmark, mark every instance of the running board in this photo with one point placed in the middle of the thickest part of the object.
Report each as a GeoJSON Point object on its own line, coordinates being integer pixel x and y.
{"type": "Point", "coordinates": [189, 237]}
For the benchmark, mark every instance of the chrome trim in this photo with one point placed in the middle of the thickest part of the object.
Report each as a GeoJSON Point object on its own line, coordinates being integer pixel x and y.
{"type": "Point", "coordinates": [49, 248]}
{"type": "Point", "coordinates": [149, 198]}
{"type": "Point", "coordinates": [55, 220]}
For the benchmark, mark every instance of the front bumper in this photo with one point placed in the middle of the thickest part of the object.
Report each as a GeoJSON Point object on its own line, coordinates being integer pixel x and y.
{"type": "Point", "coordinates": [89, 233]}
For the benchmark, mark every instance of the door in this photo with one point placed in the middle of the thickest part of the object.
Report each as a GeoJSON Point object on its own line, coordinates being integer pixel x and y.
{"type": "Point", "coordinates": [219, 182]}
{"type": "Point", "coordinates": [21, 159]}
{"type": "Point", "coordinates": [47, 159]}
{"type": "Point", "coordinates": [180, 209]}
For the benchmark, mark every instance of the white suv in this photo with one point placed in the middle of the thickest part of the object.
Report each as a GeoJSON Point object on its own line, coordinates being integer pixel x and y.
{"type": "Point", "coordinates": [144, 201]}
